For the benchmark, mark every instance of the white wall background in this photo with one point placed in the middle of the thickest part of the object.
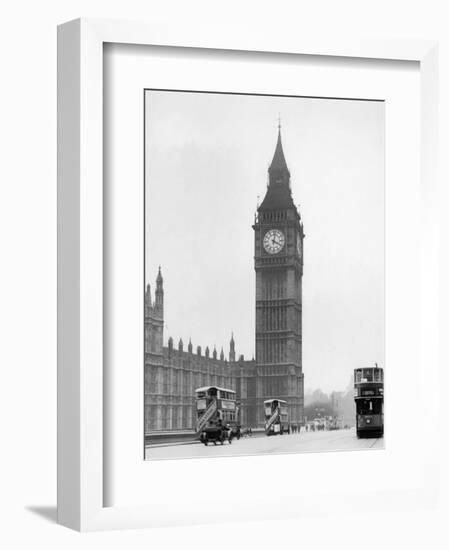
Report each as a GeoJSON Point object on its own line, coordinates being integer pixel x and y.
{"type": "Point", "coordinates": [28, 275]}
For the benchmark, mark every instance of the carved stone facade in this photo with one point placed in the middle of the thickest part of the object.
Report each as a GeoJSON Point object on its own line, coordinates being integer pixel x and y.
{"type": "Point", "coordinates": [172, 374]}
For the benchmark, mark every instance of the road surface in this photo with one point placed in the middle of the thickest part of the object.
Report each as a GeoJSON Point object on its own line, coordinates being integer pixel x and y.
{"type": "Point", "coordinates": [338, 440]}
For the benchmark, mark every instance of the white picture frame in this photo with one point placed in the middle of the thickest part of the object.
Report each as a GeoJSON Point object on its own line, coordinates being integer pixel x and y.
{"type": "Point", "coordinates": [81, 474]}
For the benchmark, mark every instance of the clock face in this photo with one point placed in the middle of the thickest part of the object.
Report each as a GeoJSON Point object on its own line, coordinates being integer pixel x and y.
{"type": "Point", "coordinates": [274, 241]}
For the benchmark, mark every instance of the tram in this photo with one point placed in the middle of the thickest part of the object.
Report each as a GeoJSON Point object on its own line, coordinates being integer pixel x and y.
{"type": "Point", "coordinates": [276, 417]}
{"type": "Point", "coordinates": [369, 401]}
{"type": "Point", "coordinates": [216, 410]}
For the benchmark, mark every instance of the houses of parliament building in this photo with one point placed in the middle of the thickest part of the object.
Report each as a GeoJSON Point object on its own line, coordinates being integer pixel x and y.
{"type": "Point", "coordinates": [172, 373]}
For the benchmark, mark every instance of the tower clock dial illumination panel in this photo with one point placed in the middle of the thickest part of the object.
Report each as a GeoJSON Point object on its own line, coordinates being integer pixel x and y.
{"type": "Point", "coordinates": [274, 241]}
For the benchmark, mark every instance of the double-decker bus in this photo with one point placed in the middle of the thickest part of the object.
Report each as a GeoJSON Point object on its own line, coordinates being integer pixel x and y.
{"type": "Point", "coordinates": [276, 416]}
{"type": "Point", "coordinates": [215, 405]}
{"type": "Point", "coordinates": [369, 401]}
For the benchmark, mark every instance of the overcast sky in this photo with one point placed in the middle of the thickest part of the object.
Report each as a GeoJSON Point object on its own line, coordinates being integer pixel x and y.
{"type": "Point", "coordinates": [207, 159]}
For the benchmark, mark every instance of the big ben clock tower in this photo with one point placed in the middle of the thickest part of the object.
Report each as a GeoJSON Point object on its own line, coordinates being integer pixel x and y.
{"type": "Point", "coordinates": [278, 262]}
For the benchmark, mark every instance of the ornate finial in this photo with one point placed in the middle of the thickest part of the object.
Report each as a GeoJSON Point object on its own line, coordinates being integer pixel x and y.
{"type": "Point", "coordinates": [148, 295]}
{"type": "Point", "coordinates": [279, 122]}
{"type": "Point", "coordinates": [232, 348]}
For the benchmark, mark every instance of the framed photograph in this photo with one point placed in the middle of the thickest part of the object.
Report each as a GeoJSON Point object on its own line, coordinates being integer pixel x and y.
{"type": "Point", "coordinates": [246, 249]}
{"type": "Point", "coordinates": [233, 225]}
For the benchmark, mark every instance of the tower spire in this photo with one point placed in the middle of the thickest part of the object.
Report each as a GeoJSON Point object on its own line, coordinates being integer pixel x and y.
{"type": "Point", "coordinates": [159, 293]}
{"type": "Point", "coordinates": [278, 194]}
{"type": "Point", "coordinates": [278, 167]}
{"type": "Point", "coordinates": [148, 295]}
{"type": "Point", "coordinates": [232, 348]}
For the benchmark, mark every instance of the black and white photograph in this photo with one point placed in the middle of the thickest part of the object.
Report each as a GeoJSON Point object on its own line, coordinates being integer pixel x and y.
{"type": "Point", "coordinates": [264, 300]}
{"type": "Point", "coordinates": [229, 226]}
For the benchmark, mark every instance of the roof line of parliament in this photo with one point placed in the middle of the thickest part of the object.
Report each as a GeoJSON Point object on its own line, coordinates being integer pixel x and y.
{"type": "Point", "coordinates": [156, 309]}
